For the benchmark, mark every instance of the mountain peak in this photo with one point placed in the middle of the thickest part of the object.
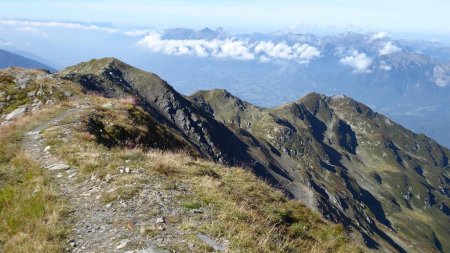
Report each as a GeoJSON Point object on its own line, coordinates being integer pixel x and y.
{"type": "Point", "coordinates": [220, 96]}
{"type": "Point", "coordinates": [214, 92]}
{"type": "Point", "coordinates": [317, 97]}
{"type": "Point", "coordinates": [96, 66]}
{"type": "Point", "coordinates": [185, 33]}
{"type": "Point", "coordinates": [312, 96]}
{"type": "Point", "coordinates": [114, 78]}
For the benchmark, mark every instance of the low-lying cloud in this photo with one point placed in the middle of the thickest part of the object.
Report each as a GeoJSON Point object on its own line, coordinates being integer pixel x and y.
{"type": "Point", "coordinates": [378, 36]}
{"type": "Point", "coordinates": [240, 49]}
{"type": "Point", "coordinates": [137, 32]}
{"type": "Point", "coordinates": [218, 48]}
{"type": "Point", "coordinates": [303, 53]}
{"type": "Point", "coordinates": [384, 66]}
{"type": "Point", "coordinates": [359, 61]}
{"type": "Point", "coordinates": [441, 75]}
{"type": "Point", "coordinates": [389, 48]}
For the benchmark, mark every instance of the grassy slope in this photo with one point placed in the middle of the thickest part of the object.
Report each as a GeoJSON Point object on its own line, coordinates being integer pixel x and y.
{"type": "Point", "coordinates": [246, 211]}
{"type": "Point", "coordinates": [372, 157]}
{"type": "Point", "coordinates": [29, 203]}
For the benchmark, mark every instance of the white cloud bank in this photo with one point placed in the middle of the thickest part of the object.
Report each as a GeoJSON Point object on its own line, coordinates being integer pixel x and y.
{"type": "Point", "coordinates": [389, 48]}
{"type": "Point", "coordinates": [441, 75]}
{"type": "Point", "coordinates": [33, 26]}
{"type": "Point", "coordinates": [54, 24]}
{"type": "Point", "coordinates": [359, 61]}
{"type": "Point", "coordinates": [378, 36]}
{"type": "Point", "coordinates": [300, 52]}
{"type": "Point", "coordinates": [137, 32]}
{"type": "Point", "coordinates": [384, 66]}
{"type": "Point", "coordinates": [231, 48]}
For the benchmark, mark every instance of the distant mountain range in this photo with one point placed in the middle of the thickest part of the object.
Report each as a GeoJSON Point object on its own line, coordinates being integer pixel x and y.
{"type": "Point", "coordinates": [9, 59]}
{"type": "Point", "coordinates": [407, 80]}
{"type": "Point", "coordinates": [185, 33]}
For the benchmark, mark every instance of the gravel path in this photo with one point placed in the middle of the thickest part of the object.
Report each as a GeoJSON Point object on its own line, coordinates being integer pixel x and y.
{"type": "Point", "coordinates": [145, 223]}
{"type": "Point", "coordinates": [95, 227]}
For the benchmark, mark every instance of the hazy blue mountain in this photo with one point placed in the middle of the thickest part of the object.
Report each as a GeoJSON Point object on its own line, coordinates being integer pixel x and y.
{"type": "Point", "coordinates": [185, 33]}
{"type": "Point", "coordinates": [8, 59]}
{"type": "Point", "coordinates": [35, 57]}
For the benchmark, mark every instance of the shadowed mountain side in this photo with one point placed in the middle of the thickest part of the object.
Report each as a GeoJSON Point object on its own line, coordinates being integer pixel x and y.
{"type": "Point", "coordinates": [335, 147]}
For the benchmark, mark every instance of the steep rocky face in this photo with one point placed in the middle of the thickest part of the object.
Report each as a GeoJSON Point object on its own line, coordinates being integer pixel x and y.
{"type": "Point", "coordinates": [113, 78]}
{"type": "Point", "coordinates": [361, 168]}
{"type": "Point", "coordinates": [116, 79]}
{"type": "Point", "coordinates": [334, 154]}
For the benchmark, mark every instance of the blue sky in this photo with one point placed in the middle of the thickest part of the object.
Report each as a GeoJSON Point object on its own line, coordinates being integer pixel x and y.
{"type": "Point", "coordinates": [407, 16]}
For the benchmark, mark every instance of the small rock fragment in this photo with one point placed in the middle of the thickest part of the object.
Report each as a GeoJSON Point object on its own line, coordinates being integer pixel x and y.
{"type": "Point", "coordinates": [150, 250]}
{"type": "Point", "coordinates": [107, 105]}
{"type": "Point", "coordinates": [213, 243]}
{"type": "Point", "coordinates": [16, 113]}
{"type": "Point", "coordinates": [122, 244]}
{"type": "Point", "coordinates": [161, 220]}
{"type": "Point", "coordinates": [72, 243]}
{"type": "Point", "coordinates": [58, 166]}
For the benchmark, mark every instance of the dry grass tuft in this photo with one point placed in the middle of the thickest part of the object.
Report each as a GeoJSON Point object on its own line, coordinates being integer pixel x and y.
{"type": "Point", "coordinates": [30, 208]}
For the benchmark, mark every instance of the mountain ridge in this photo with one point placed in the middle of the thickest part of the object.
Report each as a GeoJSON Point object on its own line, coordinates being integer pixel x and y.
{"type": "Point", "coordinates": [335, 135]}
{"type": "Point", "coordinates": [334, 154]}
{"type": "Point", "coordinates": [319, 105]}
{"type": "Point", "coordinates": [9, 59]}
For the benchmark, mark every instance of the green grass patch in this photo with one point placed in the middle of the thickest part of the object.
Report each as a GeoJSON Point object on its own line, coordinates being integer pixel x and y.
{"type": "Point", "coordinates": [30, 207]}
{"type": "Point", "coordinates": [191, 205]}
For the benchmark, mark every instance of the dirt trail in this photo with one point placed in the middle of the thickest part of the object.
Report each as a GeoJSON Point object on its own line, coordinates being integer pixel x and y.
{"type": "Point", "coordinates": [96, 227]}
